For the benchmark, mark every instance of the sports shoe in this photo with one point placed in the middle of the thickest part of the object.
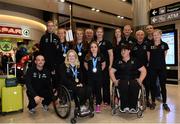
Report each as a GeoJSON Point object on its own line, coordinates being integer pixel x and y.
{"type": "Point", "coordinates": [98, 108]}
{"type": "Point", "coordinates": [45, 108]}
{"type": "Point", "coordinates": [126, 109]}
{"type": "Point", "coordinates": [32, 111]}
{"type": "Point", "coordinates": [152, 106]}
{"type": "Point", "coordinates": [166, 107]}
{"type": "Point", "coordinates": [132, 110]}
{"type": "Point", "coordinates": [83, 108]}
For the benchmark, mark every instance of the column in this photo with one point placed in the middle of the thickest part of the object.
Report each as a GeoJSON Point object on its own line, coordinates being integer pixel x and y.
{"type": "Point", "coordinates": [140, 13]}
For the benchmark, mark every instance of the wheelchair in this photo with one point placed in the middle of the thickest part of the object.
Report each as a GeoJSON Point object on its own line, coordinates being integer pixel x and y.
{"type": "Point", "coordinates": [62, 105]}
{"type": "Point", "coordinates": [88, 113]}
{"type": "Point", "coordinates": [141, 101]}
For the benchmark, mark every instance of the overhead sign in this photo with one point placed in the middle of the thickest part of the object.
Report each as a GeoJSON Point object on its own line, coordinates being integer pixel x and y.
{"type": "Point", "coordinates": [166, 13]}
{"type": "Point", "coordinates": [18, 31]}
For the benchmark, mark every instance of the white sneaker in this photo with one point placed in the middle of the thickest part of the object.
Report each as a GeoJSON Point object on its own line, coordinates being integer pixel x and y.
{"type": "Point", "coordinates": [126, 109]}
{"type": "Point", "coordinates": [83, 108]}
{"type": "Point", "coordinates": [132, 110]}
{"type": "Point", "coordinates": [32, 111]}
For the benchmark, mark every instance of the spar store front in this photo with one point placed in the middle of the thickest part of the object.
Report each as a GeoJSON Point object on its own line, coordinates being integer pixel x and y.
{"type": "Point", "coordinates": [17, 28]}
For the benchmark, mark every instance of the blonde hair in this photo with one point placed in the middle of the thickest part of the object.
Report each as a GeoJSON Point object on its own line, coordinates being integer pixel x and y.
{"type": "Point", "coordinates": [158, 31]}
{"type": "Point", "coordinates": [67, 63]}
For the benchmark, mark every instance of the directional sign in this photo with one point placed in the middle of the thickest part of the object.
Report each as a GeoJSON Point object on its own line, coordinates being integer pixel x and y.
{"type": "Point", "coordinates": [165, 17]}
{"type": "Point", "coordinates": [5, 46]}
{"type": "Point", "coordinates": [166, 13]}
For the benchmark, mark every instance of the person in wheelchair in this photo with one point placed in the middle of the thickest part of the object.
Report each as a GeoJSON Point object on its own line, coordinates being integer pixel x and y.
{"type": "Point", "coordinates": [127, 74]}
{"type": "Point", "coordinates": [71, 77]}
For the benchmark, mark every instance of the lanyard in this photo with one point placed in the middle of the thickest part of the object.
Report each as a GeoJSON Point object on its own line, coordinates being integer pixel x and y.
{"type": "Point", "coordinates": [74, 70]}
{"type": "Point", "coordinates": [94, 60]}
{"type": "Point", "coordinates": [79, 47]}
{"type": "Point", "coordinates": [64, 48]}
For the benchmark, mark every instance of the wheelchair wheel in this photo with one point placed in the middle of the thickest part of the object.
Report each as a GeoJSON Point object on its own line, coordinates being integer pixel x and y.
{"type": "Point", "coordinates": [139, 114]}
{"type": "Point", "coordinates": [143, 99]}
{"type": "Point", "coordinates": [113, 98]}
{"type": "Point", "coordinates": [62, 105]}
{"type": "Point", "coordinates": [73, 120]}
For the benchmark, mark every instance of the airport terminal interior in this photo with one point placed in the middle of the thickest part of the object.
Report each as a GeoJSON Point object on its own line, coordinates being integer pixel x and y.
{"type": "Point", "coordinates": [32, 28]}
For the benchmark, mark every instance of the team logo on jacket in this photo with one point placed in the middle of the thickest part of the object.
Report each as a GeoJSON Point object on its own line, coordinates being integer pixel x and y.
{"type": "Point", "coordinates": [67, 70]}
{"type": "Point", "coordinates": [120, 62]}
{"type": "Point", "coordinates": [46, 40]}
{"type": "Point", "coordinates": [135, 48]}
{"type": "Point", "coordinates": [144, 47]}
{"type": "Point", "coordinates": [132, 62]}
{"type": "Point", "coordinates": [130, 41]}
{"type": "Point", "coordinates": [34, 75]}
{"type": "Point", "coordinates": [44, 76]}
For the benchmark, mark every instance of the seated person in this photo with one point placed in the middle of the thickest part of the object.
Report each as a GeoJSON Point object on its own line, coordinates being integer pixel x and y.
{"type": "Point", "coordinates": [127, 74]}
{"type": "Point", "coordinates": [38, 83]}
{"type": "Point", "coordinates": [71, 77]}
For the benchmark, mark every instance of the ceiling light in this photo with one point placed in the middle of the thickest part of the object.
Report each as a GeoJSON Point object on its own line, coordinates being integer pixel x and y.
{"type": "Point", "coordinates": [118, 16]}
{"type": "Point", "coordinates": [124, 0]}
{"type": "Point", "coordinates": [93, 9]}
{"type": "Point", "coordinates": [122, 17]}
{"type": "Point", "coordinates": [97, 10]}
{"type": "Point", "coordinates": [62, 1]}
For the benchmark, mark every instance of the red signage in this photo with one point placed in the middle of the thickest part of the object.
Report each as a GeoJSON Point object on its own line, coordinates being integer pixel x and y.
{"type": "Point", "coordinates": [10, 30]}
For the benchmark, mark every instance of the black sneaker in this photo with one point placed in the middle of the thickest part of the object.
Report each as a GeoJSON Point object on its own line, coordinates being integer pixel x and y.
{"type": "Point", "coordinates": [152, 106]}
{"type": "Point", "coordinates": [148, 104]}
{"type": "Point", "coordinates": [166, 107]}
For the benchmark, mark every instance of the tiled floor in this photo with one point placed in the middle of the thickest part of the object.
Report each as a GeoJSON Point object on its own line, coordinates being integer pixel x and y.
{"type": "Point", "coordinates": [150, 116]}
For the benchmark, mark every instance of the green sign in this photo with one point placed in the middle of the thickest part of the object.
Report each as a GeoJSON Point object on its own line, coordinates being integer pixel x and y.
{"type": "Point", "coordinates": [5, 46]}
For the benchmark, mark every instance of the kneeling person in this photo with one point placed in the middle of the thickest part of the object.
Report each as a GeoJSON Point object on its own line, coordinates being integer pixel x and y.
{"type": "Point", "coordinates": [38, 83]}
{"type": "Point", "coordinates": [127, 74]}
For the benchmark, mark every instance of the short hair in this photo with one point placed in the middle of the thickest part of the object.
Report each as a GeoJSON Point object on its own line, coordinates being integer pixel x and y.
{"type": "Point", "coordinates": [158, 31]}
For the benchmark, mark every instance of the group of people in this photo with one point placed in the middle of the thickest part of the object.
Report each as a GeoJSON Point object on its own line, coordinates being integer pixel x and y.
{"type": "Point", "coordinates": [87, 64]}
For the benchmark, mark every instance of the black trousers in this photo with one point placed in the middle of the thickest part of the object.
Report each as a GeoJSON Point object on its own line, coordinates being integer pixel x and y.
{"type": "Point", "coordinates": [95, 85]}
{"type": "Point", "coordinates": [161, 73]}
{"type": "Point", "coordinates": [81, 95]}
{"type": "Point", "coordinates": [106, 86]}
{"type": "Point", "coordinates": [47, 99]}
{"type": "Point", "coordinates": [128, 91]}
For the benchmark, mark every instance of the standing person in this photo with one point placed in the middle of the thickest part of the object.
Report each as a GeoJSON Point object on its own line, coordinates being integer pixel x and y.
{"type": "Point", "coordinates": [38, 83]}
{"type": "Point", "coordinates": [47, 46]}
{"type": "Point", "coordinates": [80, 47]}
{"type": "Point", "coordinates": [117, 43]}
{"type": "Point", "coordinates": [106, 50]}
{"type": "Point", "coordinates": [149, 40]}
{"type": "Point", "coordinates": [149, 30]}
{"type": "Point", "coordinates": [128, 38]}
{"type": "Point", "coordinates": [89, 36]}
{"type": "Point", "coordinates": [139, 52]}
{"type": "Point", "coordinates": [127, 73]}
{"type": "Point", "coordinates": [95, 64]}
{"type": "Point", "coordinates": [157, 67]}
{"type": "Point", "coordinates": [62, 46]}
{"type": "Point", "coordinates": [71, 77]}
